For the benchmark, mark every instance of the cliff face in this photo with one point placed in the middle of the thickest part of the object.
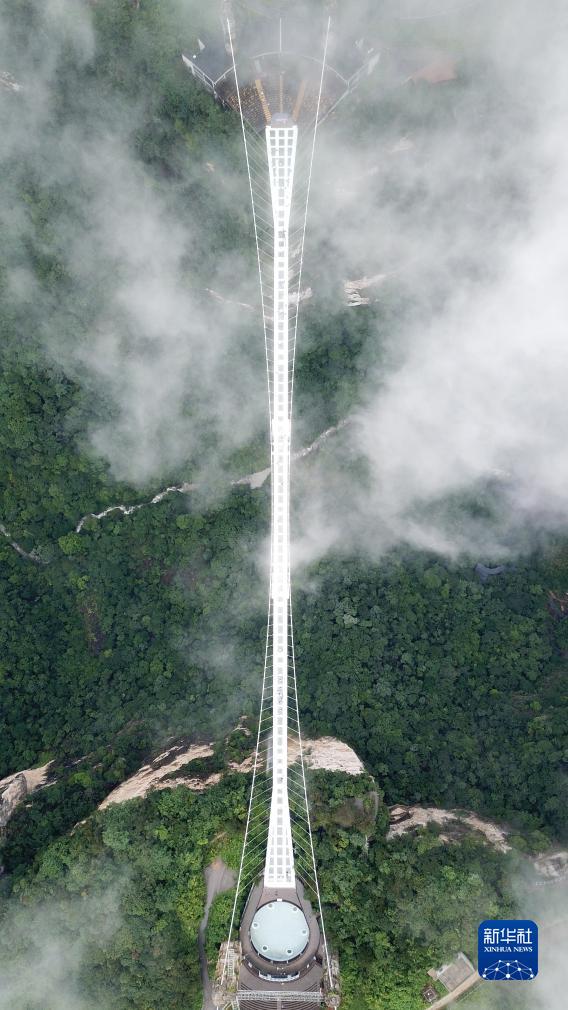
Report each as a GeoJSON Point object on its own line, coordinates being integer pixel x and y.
{"type": "Point", "coordinates": [455, 824]}
{"type": "Point", "coordinates": [13, 795]}
{"type": "Point", "coordinates": [15, 788]}
{"type": "Point", "coordinates": [154, 775]}
{"type": "Point", "coordinates": [326, 753]}
{"type": "Point", "coordinates": [173, 767]}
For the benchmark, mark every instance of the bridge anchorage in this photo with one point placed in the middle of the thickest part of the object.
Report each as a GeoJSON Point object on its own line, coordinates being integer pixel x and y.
{"type": "Point", "coordinates": [282, 80]}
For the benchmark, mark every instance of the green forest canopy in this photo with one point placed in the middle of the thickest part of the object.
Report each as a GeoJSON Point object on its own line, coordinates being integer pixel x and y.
{"type": "Point", "coordinates": [450, 690]}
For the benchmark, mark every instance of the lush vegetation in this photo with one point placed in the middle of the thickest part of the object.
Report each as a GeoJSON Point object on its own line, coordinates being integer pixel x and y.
{"type": "Point", "coordinates": [73, 792]}
{"type": "Point", "coordinates": [152, 624]}
{"type": "Point", "coordinates": [126, 889]}
{"type": "Point", "coordinates": [450, 689]}
{"type": "Point", "coordinates": [141, 865]}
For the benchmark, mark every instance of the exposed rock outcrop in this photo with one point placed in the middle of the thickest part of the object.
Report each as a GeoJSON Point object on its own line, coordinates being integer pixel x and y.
{"type": "Point", "coordinates": [552, 865]}
{"type": "Point", "coordinates": [11, 798]}
{"type": "Point", "coordinates": [455, 823]}
{"type": "Point", "coordinates": [353, 289]}
{"type": "Point", "coordinates": [326, 753]}
{"type": "Point", "coordinates": [152, 776]}
{"type": "Point", "coordinates": [15, 788]}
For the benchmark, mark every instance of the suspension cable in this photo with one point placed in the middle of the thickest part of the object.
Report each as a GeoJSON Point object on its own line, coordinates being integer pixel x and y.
{"type": "Point", "coordinates": [252, 202]}
{"type": "Point", "coordinates": [307, 202]}
{"type": "Point", "coordinates": [254, 773]}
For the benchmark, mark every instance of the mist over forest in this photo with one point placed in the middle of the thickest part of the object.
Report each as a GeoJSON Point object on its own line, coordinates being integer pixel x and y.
{"type": "Point", "coordinates": [430, 547]}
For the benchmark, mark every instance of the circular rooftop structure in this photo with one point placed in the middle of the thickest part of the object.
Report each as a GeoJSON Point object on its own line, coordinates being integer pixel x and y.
{"type": "Point", "coordinates": [279, 931]}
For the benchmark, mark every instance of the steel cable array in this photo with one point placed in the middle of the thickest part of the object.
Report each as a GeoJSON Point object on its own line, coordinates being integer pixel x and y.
{"type": "Point", "coordinates": [261, 185]}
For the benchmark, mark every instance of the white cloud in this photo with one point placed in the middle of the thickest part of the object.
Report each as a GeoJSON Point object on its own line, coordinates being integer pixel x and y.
{"type": "Point", "coordinates": [46, 948]}
{"type": "Point", "coordinates": [477, 223]}
{"type": "Point", "coordinates": [173, 383]}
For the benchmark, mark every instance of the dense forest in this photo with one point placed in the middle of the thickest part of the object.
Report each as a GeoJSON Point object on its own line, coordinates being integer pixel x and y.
{"type": "Point", "coordinates": [140, 627]}
{"type": "Point", "coordinates": [125, 891]}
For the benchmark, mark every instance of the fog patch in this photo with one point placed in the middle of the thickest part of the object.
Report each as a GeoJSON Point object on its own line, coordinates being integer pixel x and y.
{"type": "Point", "coordinates": [50, 951]}
{"type": "Point", "coordinates": [469, 403]}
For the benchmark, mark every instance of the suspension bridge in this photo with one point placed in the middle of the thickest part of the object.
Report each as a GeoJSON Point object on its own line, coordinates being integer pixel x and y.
{"type": "Point", "coordinates": [281, 83]}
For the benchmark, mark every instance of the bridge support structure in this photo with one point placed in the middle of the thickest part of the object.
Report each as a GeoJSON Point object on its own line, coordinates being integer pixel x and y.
{"type": "Point", "coordinates": [281, 957]}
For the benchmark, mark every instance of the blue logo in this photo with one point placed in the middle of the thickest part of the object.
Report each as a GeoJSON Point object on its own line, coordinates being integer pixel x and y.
{"type": "Point", "coordinates": [507, 949]}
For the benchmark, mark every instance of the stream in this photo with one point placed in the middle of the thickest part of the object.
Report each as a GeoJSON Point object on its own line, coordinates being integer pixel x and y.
{"type": "Point", "coordinates": [254, 480]}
